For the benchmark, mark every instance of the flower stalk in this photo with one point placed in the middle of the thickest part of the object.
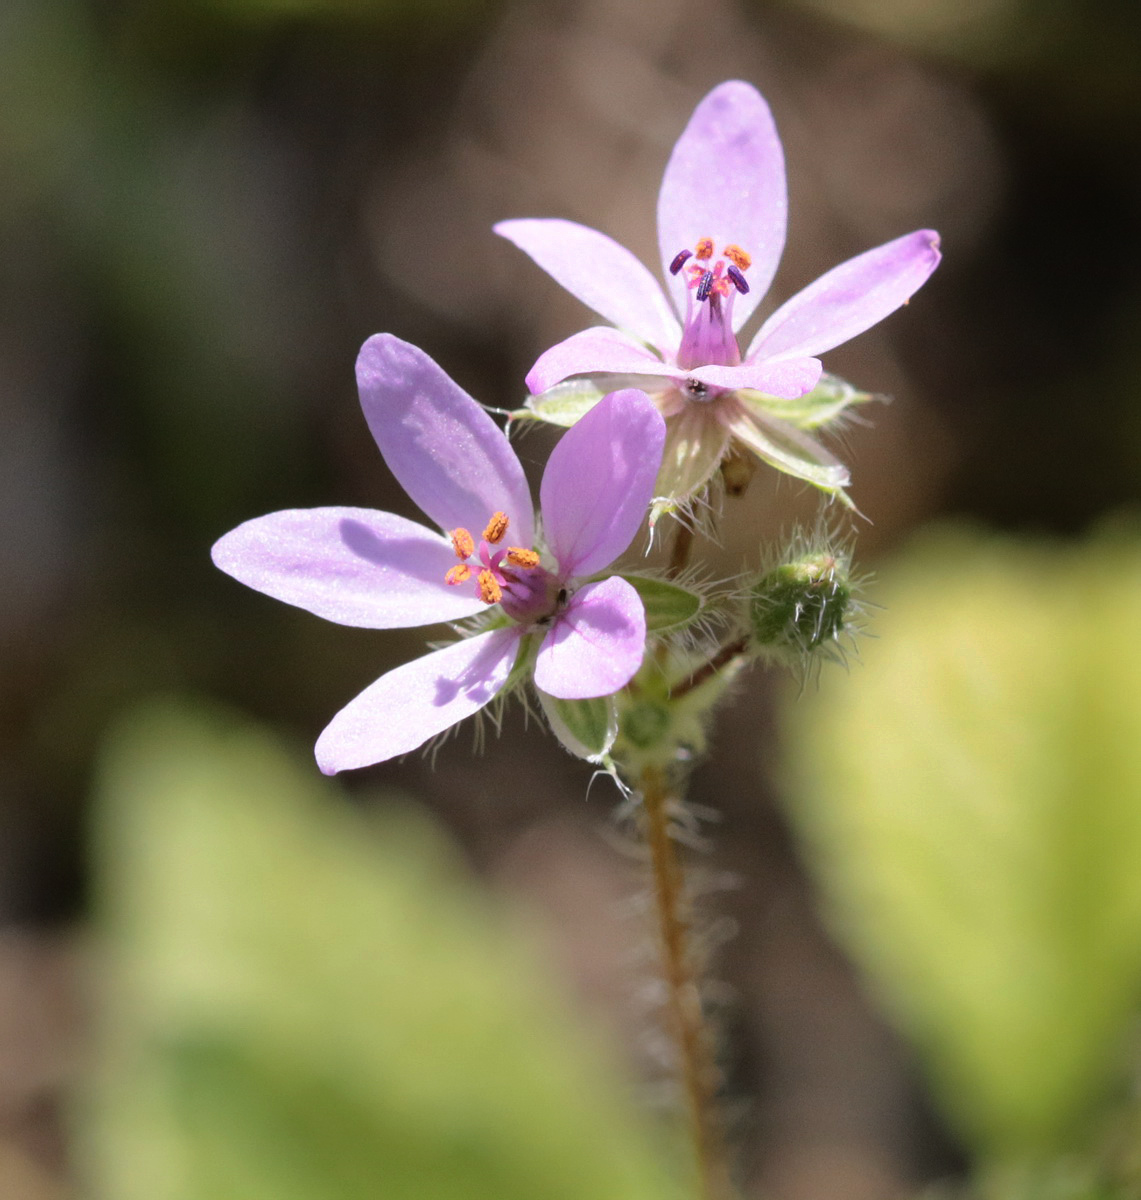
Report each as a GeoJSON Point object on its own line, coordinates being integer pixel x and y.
{"type": "Point", "coordinates": [685, 1018]}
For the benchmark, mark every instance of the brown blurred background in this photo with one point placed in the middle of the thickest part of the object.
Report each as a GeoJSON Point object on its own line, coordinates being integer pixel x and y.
{"type": "Point", "coordinates": [207, 205]}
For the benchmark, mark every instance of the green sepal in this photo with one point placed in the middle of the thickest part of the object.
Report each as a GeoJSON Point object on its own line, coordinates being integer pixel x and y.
{"type": "Point", "coordinates": [524, 662]}
{"type": "Point", "coordinates": [667, 605]}
{"type": "Point", "coordinates": [587, 728]}
{"type": "Point", "coordinates": [694, 448]}
{"type": "Point", "coordinates": [815, 409]}
{"type": "Point", "coordinates": [563, 405]}
{"type": "Point", "coordinates": [791, 450]}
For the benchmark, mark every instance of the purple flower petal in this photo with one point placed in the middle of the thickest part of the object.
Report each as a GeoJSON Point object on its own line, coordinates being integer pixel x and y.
{"type": "Point", "coordinates": [447, 453]}
{"type": "Point", "coordinates": [849, 299]}
{"type": "Point", "coordinates": [596, 351]}
{"type": "Point", "coordinates": [412, 703]}
{"type": "Point", "coordinates": [350, 565]}
{"type": "Point", "coordinates": [605, 276]}
{"type": "Point", "coordinates": [725, 180]}
{"type": "Point", "coordinates": [599, 481]}
{"type": "Point", "coordinates": [596, 645]}
{"type": "Point", "coordinates": [786, 378]}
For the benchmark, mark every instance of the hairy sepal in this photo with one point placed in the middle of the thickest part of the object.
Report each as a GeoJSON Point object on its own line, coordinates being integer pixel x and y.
{"type": "Point", "coordinates": [669, 608]}
{"type": "Point", "coordinates": [822, 406]}
{"type": "Point", "coordinates": [587, 728]}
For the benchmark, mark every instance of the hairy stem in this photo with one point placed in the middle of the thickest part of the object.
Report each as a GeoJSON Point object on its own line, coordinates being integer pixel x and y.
{"type": "Point", "coordinates": [724, 656]}
{"type": "Point", "coordinates": [696, 1068]}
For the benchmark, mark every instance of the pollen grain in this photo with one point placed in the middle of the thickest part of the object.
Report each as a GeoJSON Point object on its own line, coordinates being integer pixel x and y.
{"type": "Point", "coordinates": [527, 560]}
{"type": "Point", "coordinates": [460, 574]}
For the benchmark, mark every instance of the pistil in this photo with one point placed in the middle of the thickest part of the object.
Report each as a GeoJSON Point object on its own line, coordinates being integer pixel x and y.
{"type": "Point", "coordinates": [507, 575]}
{"type": "Point", "coordinates": [711, 287]}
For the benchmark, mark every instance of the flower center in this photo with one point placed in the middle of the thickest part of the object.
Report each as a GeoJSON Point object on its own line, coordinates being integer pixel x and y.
{"type": "Point", "coordinates": [507, 575]}
{"type": "Point", "coordinates": [711, 286]}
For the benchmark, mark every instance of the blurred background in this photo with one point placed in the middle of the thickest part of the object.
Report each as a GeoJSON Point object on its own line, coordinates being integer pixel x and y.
{"type": "Point", "coordinates": [207, 205]}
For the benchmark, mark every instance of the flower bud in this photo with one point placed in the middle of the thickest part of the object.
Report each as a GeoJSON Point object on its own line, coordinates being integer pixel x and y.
{"type": "Point", "coordinates": [646, 723]}
{"type": "Point", "coordinates": [801, 605]}
{"type": "Point", "coordinates": [737, 471]}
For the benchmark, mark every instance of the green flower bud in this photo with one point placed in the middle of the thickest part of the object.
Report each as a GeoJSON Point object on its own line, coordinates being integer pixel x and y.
{"type": "Point", "coordinates": [645, 723]}
{"type": "Point", "coordinates": [801, 605]}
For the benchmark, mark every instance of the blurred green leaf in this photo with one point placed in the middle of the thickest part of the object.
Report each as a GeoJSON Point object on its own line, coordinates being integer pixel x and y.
{"type": "Point", "coordinates": [971, 799]}
{"type": "Point", "coordinates": [310, 1006]}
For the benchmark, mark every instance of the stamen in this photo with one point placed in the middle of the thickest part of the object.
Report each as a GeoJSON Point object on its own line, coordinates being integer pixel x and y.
{"type": "Point", "coordinates": [489, 590]}
{"type": "Point", "coordinates": [705, 286]}
{"type": "Point", "coordinates": [496, 528]}
{"type": "Point", "coordinates": [526, 560]}
{"type": "Point", "coordinates": [463, 544]}
{"type": "Point", "coordinates": [460, 574]}
{"type": "Point", "coordinates": [679, 261]}
{"type": "Point", "coordinates": [738, 256]}
{"type": "Point", "coordinates": [738, 279]}
{"type": "Point", "coordinates": [704, 249]}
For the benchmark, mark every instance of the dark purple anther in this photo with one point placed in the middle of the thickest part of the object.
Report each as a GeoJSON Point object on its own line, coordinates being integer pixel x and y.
{"type": "Point", "coordinates": [738, 279]}
{"type": "Point", "coordinates": [679, 261]}
{"type": "Point", "coordinates": [705, 286]}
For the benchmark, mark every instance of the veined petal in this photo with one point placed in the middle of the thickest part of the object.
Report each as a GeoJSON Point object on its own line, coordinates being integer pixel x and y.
{"type": "Point", "coordinates": [725, 180]}
{"type": "Point", "coordinates": [789, 449]}
{"type": "Point", "coordinates": [786, 378]}
{"type": "Point", "coordinates": [412, 703]}
{"type": "Point", "coordinates": [354, 566]}
{"type": "Point", "coordinates": [447, 453]}
{"type": "Point", "coordinates": [599, 349]}
{"type": "Point", "coordinates": [596, 645]}
{"type": "Point", "coordinates": [605, 276]}
{"type": "Point", "coordinates": [848, 299]}
{"type": "Point", "coordinates": [599, 480]}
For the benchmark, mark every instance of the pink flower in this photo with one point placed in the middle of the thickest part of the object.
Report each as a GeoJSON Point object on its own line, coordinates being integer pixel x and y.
{"type": "Point", "coordinates": [578, 638]}
{"type": "Point", "coordinates": [722, 212]}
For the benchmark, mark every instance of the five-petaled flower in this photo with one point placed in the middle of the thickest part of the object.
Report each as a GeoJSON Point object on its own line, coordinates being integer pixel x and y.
{"type": "Point", "coordinates": [722, 213]}
{"type": "Point", "coordinates": [382, 571]}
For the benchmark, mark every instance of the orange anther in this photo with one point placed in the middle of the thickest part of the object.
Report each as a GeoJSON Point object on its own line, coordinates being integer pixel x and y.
{"type": "Point", "coordinates": [738, 257]}
{"type": "Point", "coordinates": [463, 544]}
{"type": "Point", "coordinates": [489, 590]}
{"type": "Point", "coordinates": [496, 528]}
{"type": "Point", "coordinates": [703, 249]}
{"type": "Point", "coordinates": [528, 560]}
{"type": "Point", "coordinates": [460, 574]}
